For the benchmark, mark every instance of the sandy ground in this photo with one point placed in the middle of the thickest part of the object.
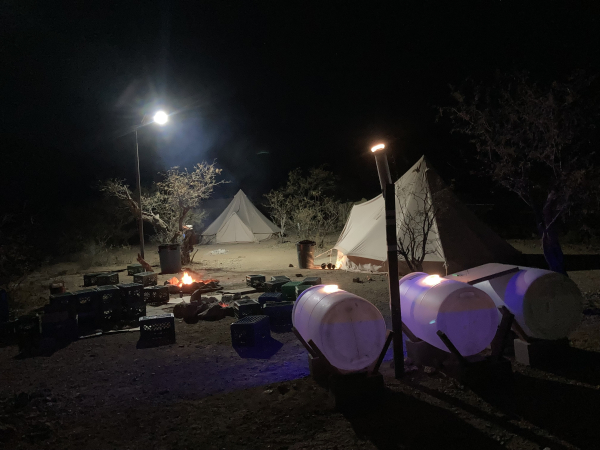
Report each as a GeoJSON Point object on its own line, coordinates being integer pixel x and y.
{"type": "Point", "coordinates": [104, 392]}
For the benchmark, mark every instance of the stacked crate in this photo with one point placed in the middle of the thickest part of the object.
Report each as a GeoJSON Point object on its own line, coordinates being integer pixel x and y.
{"type": "Point", "coordinates": [250, 331]}
{"type": "Point", "coordinates": [132, 301]}
{"type": "Point", "coordinates": [301, 288]}
{"type": "Point", "coordinates": [132, 269]}
{"type": "Point", "coordinates": [107, 279]}
{"type": "Point", "coordinates": [270, 297]}
{"type": "Point", "coordinates": [146, 278]}
{"type": "Point", "coordinates": [279, 314]}
{"type": "Point", "coordinates": [156, 295]}
{"type": "Point", "coordinates": [246, 307]}
{"type": "Point", "coordinates": [87, 307]}
{"type": "Point", "coordinates": [289, 290]}
{"type": "Point", "coordinates": [110, 305]}
{"type": "Point", "coordinates": [60, 317]}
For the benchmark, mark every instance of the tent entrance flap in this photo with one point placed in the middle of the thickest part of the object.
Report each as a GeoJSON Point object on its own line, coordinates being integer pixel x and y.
{"type": "Point", "coordinates": [234, 230]}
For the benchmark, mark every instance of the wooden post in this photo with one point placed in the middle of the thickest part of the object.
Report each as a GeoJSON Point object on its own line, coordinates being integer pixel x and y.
{"type": "Point", "coordinates": [392, 258]}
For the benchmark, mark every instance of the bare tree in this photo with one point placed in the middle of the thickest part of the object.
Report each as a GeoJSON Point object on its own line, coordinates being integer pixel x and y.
{"type": "Point", "coordinates": [416, 218]}
{"type": "Point", "coordinates": [173, 201]}
{"type": "Point", "coordinates": [280, 208]}
{"type": "Point", "coordinates": [536, 141]}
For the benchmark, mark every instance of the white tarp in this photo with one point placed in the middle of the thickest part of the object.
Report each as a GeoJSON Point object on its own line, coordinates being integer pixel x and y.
{"type": "Point", "coordinates": [240, 222]}
{"type": "Point", "coordinates": [457, 239]}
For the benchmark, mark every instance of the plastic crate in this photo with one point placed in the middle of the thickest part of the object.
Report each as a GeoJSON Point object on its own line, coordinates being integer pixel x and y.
{"type": "Point", "coordinates": [251, 331]}
{"type": "Point", "coordinates": [61, 302]}
{"type": "Point", "coordinates": [246, 307]}
{"type": "Point", "coordinates": [59, 325]}
{"type": "Point", "coordinates": [146, 278]}
{"type": "Point", "coordinates": [255, 280]}
{"type": "Point", "coordinates": [156, 295]}
{"type": "Point", "coordinates": [87, 301]}
{"type": "Point", "coordinates": [107, 279]}
{"type": "Point", "coordinates": [132, 269]}
{"type": "Point", "coordinates": [313, 281]}
{"type": "Point", "coordinates": [280, 278]}
{"type": "Point", "coordinates": [131, 292]}
{"type": "Point", "coordinates": [280, 315]}
{"type": "Point", "coordinates": [159, 328]}
{"type": "Point", "coordinates": [289, 289]}
{"type": "Point", "coordinates": [91, 279]}
{"type": "Point", "coordinates": [301, 288]}
{"type": "Point", "coordinates": [270, 297]}
{"type": "Point", "coordinates": [28, 330]}
{"type": "Point", "coordinates": [110, 301]}
{"type": "Point", "coordinates": [274, 286]}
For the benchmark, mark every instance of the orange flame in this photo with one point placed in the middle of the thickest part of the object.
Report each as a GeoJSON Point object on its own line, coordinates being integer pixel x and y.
{"type": "Point", "coordinates": [186, 279]}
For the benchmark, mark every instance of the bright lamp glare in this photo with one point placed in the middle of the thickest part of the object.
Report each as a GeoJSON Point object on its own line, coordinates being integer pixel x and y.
{"type": "Point", "coordinates": [432, 280]}
{"type": "Point", "coordinates": [161, 117]}
{"type": "Point", "coordinates": [330, 288]}
{"type": "Point", "coordinates": [377, 147]}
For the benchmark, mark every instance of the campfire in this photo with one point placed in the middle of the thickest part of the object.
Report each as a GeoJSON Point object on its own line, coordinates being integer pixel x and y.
{"type": "Point", "coordinates": [189, 283]}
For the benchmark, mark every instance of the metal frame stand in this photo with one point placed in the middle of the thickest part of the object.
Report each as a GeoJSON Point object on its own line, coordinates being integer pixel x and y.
{"type": "Point", "coordinates": [348, 390]}
{"type": "Point", "coordinates": [470, 370]}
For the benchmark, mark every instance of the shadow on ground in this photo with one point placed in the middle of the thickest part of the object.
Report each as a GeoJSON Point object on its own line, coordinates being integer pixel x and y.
{"type": "Point", "coordinates": [402, 421]}
{"type": "Point", "coordinates": [572, 262]}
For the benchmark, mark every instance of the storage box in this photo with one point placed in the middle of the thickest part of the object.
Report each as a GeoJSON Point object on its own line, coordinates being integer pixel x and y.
{"type": "Point", "coordinates": [270, 297]}
{"type": "Point", "coordinates": [246, 307]}
{"type": "Point", "coordinates": [107, 279]}
{"type": "Point", "coordinates": [132, 269]}
{"type": "Point", "coordinates": [313, 281]}
{"type": "Point", "coordinates": [289, 289]}
{"type": "Point", "coordinates": [59, 325]}
{"type": "Point", "coordinates": [301, 288]}
{"type": "Point", "coordinates": [87, 301]}
{"type": "Point", "coordinates": [251, 331]}
{"type": "Point", "coordinates": [146, 278]}
{"type": "Point", "coordinates": [274, 286]}
{"type": "Point", "coordinates": [110, 304]}
{"type": "Point", "coordinates": [61, 302]}
{"type": "Point", "coordinates": [157, 329]}
{"type": "Point", "coordinates": [91, 279]}
{"type": "Point", "coordinates": [28, 330]}
{"type": "Point", "coordinates": [132, 299]}
{"type": "Point", "coordinates": [280, 278]}
{"type": "Point", "coordinates": [280, 315]}
{"type": "Point", "coordinates": [156, 295]}
{"type": "Point", "coordinates": [255, 280]}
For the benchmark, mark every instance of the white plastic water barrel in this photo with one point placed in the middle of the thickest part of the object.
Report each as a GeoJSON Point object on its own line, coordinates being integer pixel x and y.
{"type": "Point", "coordinates": [348, 329]}
{"type": "Point", "coordinates": [547, 305]}
{"type": "Point", "coordinates": [467, 315]}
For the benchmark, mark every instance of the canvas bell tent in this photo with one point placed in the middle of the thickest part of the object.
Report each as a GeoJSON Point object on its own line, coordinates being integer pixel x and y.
{"type": "Point", "coordinates": [239, 222]}
{"type": "Point", "coordinates": [430, 221]}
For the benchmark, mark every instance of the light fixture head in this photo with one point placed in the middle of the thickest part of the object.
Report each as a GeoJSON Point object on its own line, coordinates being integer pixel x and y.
{"type": "Point", "coordinates": [377, 147]}
{"type": "Point", "coordinates": [161, 117]}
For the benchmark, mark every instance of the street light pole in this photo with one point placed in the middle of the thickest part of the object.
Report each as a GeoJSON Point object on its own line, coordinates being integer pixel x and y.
{"type": "Point", "coordinates": [389, 194]}
{"type": "Point", "coordinates": [159, 118]}
{"type": "Point", "coordinates": [139, 189]}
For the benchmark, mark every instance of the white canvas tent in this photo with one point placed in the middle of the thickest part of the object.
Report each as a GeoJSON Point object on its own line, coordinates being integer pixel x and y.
{"type": "Point", "coordinates": [457, 239]}
{"type": "Point", "coordinates": [240, 222]}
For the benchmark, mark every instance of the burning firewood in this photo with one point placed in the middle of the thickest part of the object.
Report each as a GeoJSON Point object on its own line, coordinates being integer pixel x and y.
{"type": "Point", "coordinates": [144, 264]}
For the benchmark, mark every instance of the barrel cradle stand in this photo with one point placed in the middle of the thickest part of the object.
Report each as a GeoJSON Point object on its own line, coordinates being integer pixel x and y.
{"type": "Point", "coordinates": [469, 370]}
{"type": "Point", "coordinates": [529, 351]}
{"type": "Point", "coordinates": [349, 390]}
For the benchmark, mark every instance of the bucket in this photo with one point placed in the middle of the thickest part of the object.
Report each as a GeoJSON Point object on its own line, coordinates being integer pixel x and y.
{"type": "Point", "coordinates": [348, 329]}
{"type": "Point", "coordinates": [306, 256]}
{"type": "Point", "coordinates": [170, 258]}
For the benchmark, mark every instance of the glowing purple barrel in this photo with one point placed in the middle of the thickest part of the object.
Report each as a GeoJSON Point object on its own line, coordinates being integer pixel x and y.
{"type": "Point", "coordinates": [348, 329]}
{"type": "Point", "coordinates": [467, 315]}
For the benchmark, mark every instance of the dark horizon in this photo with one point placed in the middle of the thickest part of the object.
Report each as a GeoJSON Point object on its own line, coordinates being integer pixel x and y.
{"type": "Point", "coordinates": [261, 89]}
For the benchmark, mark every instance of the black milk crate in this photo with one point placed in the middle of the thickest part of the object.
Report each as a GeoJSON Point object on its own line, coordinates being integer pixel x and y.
{"type": "Point", "coordinates": [107, 279]}
{"type": "Point", "coordinates": [280, 314]}
{"type": "Point", "coordinates": [313, 281]}
{"type": "Point", "coordinates": [301, 288]}
{"type": "Point", "coordinates": [255, 280]}
{"type": "Point", "coordinates": [280, 278]}
{"type": "Point", "coordinates": [132, 269]}
{"type": "Point", "coordinates": [91, 279]}
{"type": "Point", "coordinates": [155, 329]}
{"type": "Point", "coordinates": [134, 311]}
{"type": "Point", "coordinates": [146, 278]}
{"type": "Point", "coordinates": [156, 295]}
{"type": "Point", "coordinates": [87, 301]}
{"type": "Point", "coordinates": [246, 307]}
{"type": "Point", "coordinates": [61, 302]}
{"type": "Point", "coordinates": [131, 293]}
{"type": "Point", "coordinates": [251, 331]}
{"type": "Point", "coordinates": [275, 286]}
{"type": "Point", "coordinates": [270, 297]}
{"type": "Point", "coordinates": [110, 302]}
{"type": "Point", "coordinates": [109, 295]}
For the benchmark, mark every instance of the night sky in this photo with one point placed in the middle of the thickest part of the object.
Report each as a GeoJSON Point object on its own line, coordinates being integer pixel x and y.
{"type": "Point", "coordinates": [261, 86]}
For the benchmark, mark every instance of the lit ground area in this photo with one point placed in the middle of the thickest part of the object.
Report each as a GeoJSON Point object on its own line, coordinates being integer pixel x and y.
{"type": "Point", "coordinates": [105, 393]}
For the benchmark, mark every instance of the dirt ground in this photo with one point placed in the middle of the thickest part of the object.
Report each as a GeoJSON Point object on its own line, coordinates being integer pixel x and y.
{"type": "Point", "coordinates": [105, 393]}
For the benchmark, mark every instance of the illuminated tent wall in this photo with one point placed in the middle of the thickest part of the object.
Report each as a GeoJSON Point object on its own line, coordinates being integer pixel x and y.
{"type": "Point", "coordinates": [240, 222]}
{"type": "Point", "coordinates": [457, 240]}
